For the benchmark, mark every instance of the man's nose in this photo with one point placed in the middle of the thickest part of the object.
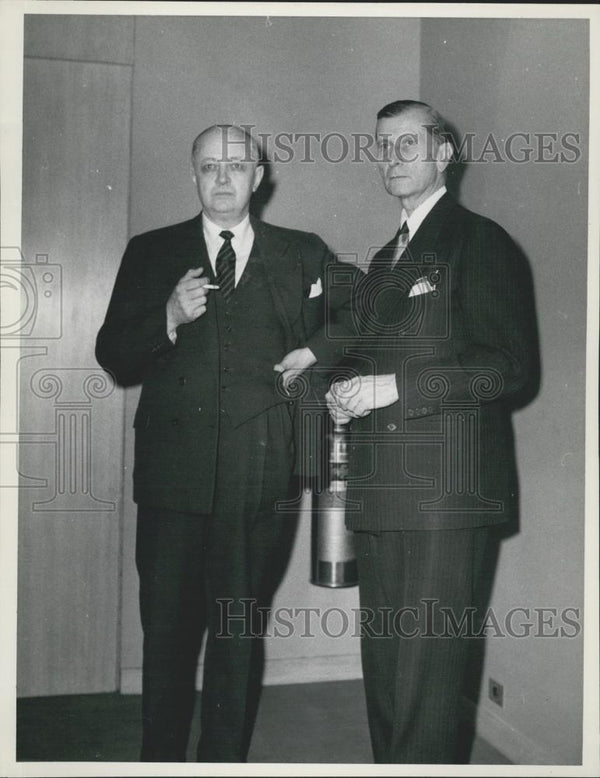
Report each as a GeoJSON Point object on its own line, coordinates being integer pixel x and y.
{"type": "Point", "coordinates": [223, 174]}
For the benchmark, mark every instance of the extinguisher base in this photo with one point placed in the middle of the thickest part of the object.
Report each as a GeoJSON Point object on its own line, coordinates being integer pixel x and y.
{"type": "Point", "coordinates": [335, 575]}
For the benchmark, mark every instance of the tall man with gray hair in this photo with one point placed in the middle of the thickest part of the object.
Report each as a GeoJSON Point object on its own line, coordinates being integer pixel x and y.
{"type": "Point", "coordinates": [214, 317]}
{"type": "Point", "coordinates": [445, 347]}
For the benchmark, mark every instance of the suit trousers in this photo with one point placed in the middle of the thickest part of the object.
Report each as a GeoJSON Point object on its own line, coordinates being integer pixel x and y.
{"type": "Point", "coordinates": [414, 659]}
{"type": "Point", "coordinates": [213, 572]}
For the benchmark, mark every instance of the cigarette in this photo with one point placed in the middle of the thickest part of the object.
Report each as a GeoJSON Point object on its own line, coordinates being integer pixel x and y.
{"type": "Point", "coordinates": [211, 286]}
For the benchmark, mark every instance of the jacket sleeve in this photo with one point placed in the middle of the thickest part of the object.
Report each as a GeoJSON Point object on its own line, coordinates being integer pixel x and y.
{"type": "Point", "coordinates": [492, 331]}
{"type": "Point", "coordinates": [134, 336]}
{"type": "Point", "coordinates": [336, 328]}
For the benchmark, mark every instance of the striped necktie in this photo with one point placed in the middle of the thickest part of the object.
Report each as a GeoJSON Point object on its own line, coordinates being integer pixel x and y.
{"type": "Point", "coordinates": [402, 237]}
{"type": "Point", "coordinates": [225, 265]}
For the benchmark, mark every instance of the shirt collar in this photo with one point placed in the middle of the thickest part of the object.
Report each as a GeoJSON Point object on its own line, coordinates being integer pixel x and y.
{"type": "Point", "coordinates": [241, 232]}
{"type": "Point", "coordinates": [417, 217]}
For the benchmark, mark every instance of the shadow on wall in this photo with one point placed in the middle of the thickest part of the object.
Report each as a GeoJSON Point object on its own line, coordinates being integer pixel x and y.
{"type": "Point", "coordinates": [499, 533]}
{"type": "Point", "coordinates": [266, 189]}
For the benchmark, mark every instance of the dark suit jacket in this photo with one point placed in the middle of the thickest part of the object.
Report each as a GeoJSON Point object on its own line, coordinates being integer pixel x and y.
{"type": "Point", "coordinates": [177, 417]}
{"type": "Point", "coordinates": [443, 455]}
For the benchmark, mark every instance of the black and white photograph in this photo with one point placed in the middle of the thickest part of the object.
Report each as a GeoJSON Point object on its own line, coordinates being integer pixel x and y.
{"type": "Point", "coordinates": [299, 364]}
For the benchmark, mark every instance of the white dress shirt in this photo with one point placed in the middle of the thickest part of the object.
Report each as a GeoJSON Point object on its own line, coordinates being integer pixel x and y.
{"type": "Point", "coordinates": [417, 217]}
{"type": "Point", "coordinates": [243, 238]}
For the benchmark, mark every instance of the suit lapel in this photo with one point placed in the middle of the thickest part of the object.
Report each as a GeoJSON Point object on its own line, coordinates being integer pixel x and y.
{"type": "Point", "coordinates": [190, 252]}
{"type": "Point", "coordinates": [382, 260]}
{"type": "Point", "coordinates": [424, 248]}
{"type": "Point", "coordinates": [283, 269]}
{"type": "Point", "coordinates": [422, 251]}
{"type": "Point", "coordinates": [187, 249]}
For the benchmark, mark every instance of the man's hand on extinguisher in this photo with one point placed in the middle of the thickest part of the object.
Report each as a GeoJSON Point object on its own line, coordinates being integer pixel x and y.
{"type": "Point", "coordinates": [357, 397]}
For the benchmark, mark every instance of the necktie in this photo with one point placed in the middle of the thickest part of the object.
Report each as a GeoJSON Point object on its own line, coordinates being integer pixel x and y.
{"type": "Point", "coordinates": [225, 265]}
{"type": "Point", "coordinates": [402, 238]}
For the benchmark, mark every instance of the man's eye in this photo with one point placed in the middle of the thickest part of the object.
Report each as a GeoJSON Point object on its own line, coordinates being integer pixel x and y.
{"type": "Point", "coordinates": [208, 167]}
{"type": "Point", "coordinates": [237, 165]}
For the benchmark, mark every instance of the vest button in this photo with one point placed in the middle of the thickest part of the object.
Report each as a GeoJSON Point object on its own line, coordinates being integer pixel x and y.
{"type": "Point", "coordinates": [174, 422]}
{"type": "Point", "coordinates": [182, 380]}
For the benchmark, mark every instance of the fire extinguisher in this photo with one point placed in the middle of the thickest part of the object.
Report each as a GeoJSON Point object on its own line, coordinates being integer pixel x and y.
{"type": "Point", "coordinates": [333, 556]}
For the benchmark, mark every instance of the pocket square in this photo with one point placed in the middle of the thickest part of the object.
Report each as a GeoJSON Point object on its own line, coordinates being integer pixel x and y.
{"type": "Point", "coordinates": [316, 289]}
{"type": "Point", "coordinates": [422, 286]}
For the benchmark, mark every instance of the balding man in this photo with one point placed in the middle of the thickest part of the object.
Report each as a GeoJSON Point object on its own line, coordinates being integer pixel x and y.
{"type": "Point", "coordinates": [207, 314]}
{"type": "Point", "coordinates": [446, 347]}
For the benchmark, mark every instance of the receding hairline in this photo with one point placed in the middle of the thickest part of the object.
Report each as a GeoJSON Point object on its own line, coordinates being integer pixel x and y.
{"type": "Point", "coordinates": [435, 122]}
{"type": "Point", "coordinates": [229, 131]}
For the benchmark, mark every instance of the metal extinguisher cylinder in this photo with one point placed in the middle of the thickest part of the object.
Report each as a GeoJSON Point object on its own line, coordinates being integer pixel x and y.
{"type": "Point", "coordinates": [333, 556]}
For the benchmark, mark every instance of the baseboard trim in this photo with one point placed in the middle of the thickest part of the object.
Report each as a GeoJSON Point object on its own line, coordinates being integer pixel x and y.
{"type": "Point", "coordinates": [514, 745]}
{"type": "Point", "coordinates": [312, 669]}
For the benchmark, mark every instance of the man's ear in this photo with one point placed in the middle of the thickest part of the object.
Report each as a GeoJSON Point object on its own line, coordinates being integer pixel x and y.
{"type": "Point", "coordinates": [193, 172]}
{"type": "Point", "coordinates": [258, 176]}
{"type": "Point", "coordinates": [444, 155]}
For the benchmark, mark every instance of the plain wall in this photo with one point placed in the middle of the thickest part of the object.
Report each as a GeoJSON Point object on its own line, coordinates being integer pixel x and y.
{"type": "Point", "coordinates": [502, 77]}
{"type": "Point", "coordinates": [76, 132]}
{"type": "Point", "coordinates": [280, 75]}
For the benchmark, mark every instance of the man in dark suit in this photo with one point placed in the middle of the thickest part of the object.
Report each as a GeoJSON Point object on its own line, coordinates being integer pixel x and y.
{"type": "Point", "coordinates": [214, 316]}
{"type": "Point", "coordinates": [446, 345]}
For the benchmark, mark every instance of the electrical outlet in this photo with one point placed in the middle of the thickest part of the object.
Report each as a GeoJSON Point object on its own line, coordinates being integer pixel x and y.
{"type": "Point", "coordinates": [496, 692]}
